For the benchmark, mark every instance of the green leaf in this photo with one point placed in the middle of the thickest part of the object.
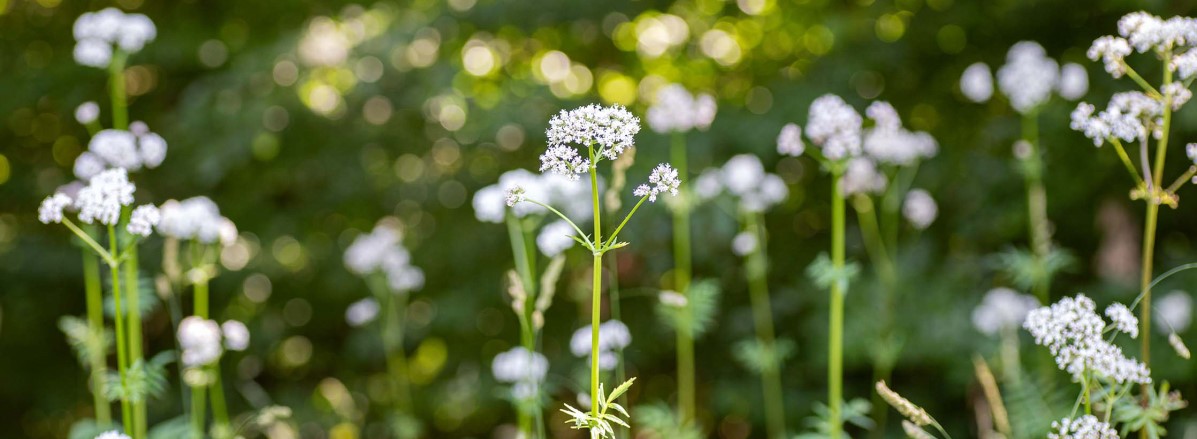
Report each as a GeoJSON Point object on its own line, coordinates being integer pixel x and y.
{"type": "Point", "coordinates": [143, 379]}
{"type": "Point", "coordinates": [147, 299]}
{"type": "Point", "coordinates": [88, 429]}
{"type": "Point", "coordinates": [659, 421]}
{"type": "Point", "coordinates": [1026, 270]}
{"type": "Point", "coordinates": [755, 356]}
{"type": "Point", "coordinates": [824, 273]}
{"type": "Point", "coordinates": [623, 388]}
{"type": "Point", "coordinates": [173, 428]}
{"type": "Point", "coordinates": [697, 316]}
{"type": "Point", "coordinates": [81, 339]}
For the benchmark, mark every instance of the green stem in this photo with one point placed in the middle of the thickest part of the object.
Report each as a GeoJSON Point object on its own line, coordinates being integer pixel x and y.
{"type": "Point", "coordinates": [1040, 229]}
{"type": "Point", "coordinates": [682, 276]}
{"type": "Point", "coordinates": [132, 288]}
{"type": "Point", "coordinates": [615, 234]}
{"type": "Point", "coordinates": [86, 238]}
{"type": "Point", "coordinates": [1153, 209]}
{"type": "Point", "coordinates": [220, 411]}
{"type": "Point", "coordinates": [866, 214]}
{"type": "Point", "coordinates": [762, 311]}
{"type": "Point", "coordinates": [1126, 161]}
{"type": "Point", "coordinates": [523, 256]}
{"type": "Point", "coordinates": [1085, 389]}
{"type": "Point", "coordinates": [116, 83]}
{"type": "Point", "coordinates": [95, 324]}
{"type": "Point", "coordinates": [198, 396]}
{"type": "Point", "coordinates": [596, 299]}
{"type": "Point", "coordinates": [122, 360]}
{"type": "Point", "coordinates": [620, 371]}
{"type": "Point", "coordinates": [835, 361]}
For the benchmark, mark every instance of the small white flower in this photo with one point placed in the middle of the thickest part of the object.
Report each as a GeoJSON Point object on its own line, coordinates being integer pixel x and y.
{"type": "Point", "coordinates": [1111, 51]}
{"type": "Point", "coordinates": [708, 185]}
{"type": "Point", "coordinates": [609, 130]}
{"type": "Point", "coordinates": [1179, 94]}
{"type": "Point", "coordinates": [919, 208]}
{"type": "Point", "coordinates": [564, 160]}
{"type": "Point", "coordinates": [704, 111]}
{"type": "Point", "coordinates": [489, 204]}
{"type": "Point", "coordinates": [673, 299]}
{"type": "Point", "coordinates": [1073, 331]}
{"type": "Point", "coordinates": [236, 335]}
{"type": "Point", "coordinates": [555, 238]}
{"type": "Point", "coordinates": [1074, 81]}
{"type": "Point", "coordinates": [1084, 427]}
{"type": "Point", "coordinates": [1028, 77]}
{"type": "Point", "coordinates": [887, 142]}
{"type": "Point", "coordinates": [676, 110]}
{"type": "Point", "coordinates": [143, 220]}
{"type": "Point", "coordinates": [662, 180]}
{"type": "Point", "coordinates": [93, 53]}
{"type": "Point", "coordinates": [519, 365]}
{"type": "Point", "coordinates": [113, 434]}
{"type": "Point", "coordinates": [104, 196]}
{"type": "Point", "coordinates": [117, 147]}
{"type": "Point", "coordinates": [771, 192]}
{"type": "Point", "coordinates": [834, 126]}
{"type": "Point", "coordinates": [87, 165]}
{"type": "Point", "coordinates": [51, 209]}
{"type": "Point", "coordinates": [361, 312]}
{"type": "Point", "coordinates": [744, 243]}
{"type": "Point", "coordinates": [1122, 319]}
{"type": "Point", "coordinates": [87, 112]}
{"type": "Point", "coordinates": [515, 196]}
{"type": "Point", "coordinates": [381, 251]}
{"type": "Point", "coordinates": [613, 335]}
{"type": "Point", "coordinates": [136, 30]}
{"type": "Point", "coordinates": [405, 278]}
{"type": "Point", "coordinates": [742, 173]}
{"type": "Point", "coordinates": [227, 232]}
{"type": "Point", "coordinates": [152, 149]}
{"type": "Point", "coordinates": [1175, 309]}
{"type": "Point", "coordinates": [195, 218]}
{"type": "Point", "coordinates": [1185, 64]}
{"type": "Point", "coordinates": [862, 177]}
{"type": "Point", "coordinates": [977, 82]}
{"type": "Point", "coordinates": [1002, 308]}
{"type": "Point", "coordinates": [789, 141]}
{"type": "Point", "coordinates": [200, 341]}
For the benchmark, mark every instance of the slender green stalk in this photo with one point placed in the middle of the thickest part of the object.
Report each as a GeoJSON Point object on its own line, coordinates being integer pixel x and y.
{"type": "Point", "coordinates": [880, 253]}
{"type": "Point", "coordinates": [874, 243]}
{"type": "Point", "coordinates": [122, 360]}
{"type": "Point", "coordinates": [132, 288]}
{"type": "Point", "coordinates": [95, 325]}
{"type": "Point", "coordinates": [615, 234]}
{"type": "Point", "coordinates": [116, 84]}
{"type": "Point", "coordinates": [762, 311]}
{"type": "Point", "coordinates": [682, 276]}
{"type": "Point", "coordinates": [621, 374]}
{"type": "Point", "coordinates": [596, 300]}
{"type": "Point", "coordinates": [1149, 228]}
{"type": "Point", "coordinates": [835, 361]}
{"type": "Point", "coordinates": [524, 260]}
{"type": "Point", "coordinates": [199, 393]}
{"type": "Point", "coordinates": [220, 411]}
{"type": "Point", "coordinates": [1040, 229]}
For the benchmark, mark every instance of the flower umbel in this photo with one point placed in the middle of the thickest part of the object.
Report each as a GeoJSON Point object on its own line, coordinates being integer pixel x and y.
{"type": "Point", "coordinates": [663, 179]}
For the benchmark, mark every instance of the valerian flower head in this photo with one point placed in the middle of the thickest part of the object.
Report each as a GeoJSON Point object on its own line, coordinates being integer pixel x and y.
{"type": "Point", "coordinates": [742, 172]}
{"type": "Point", "coordinates": [744, 243]}
{"type": "Point", "coordinates": [919, 208]}
{"type": "Point", "coordinates": [88, 164]}
{"type": "Point", "coordinates": [835, 127]}
{"type": "Point", "coordinates": [1074, 82]}
{"type": "Point", "coordinates": [862, 177]}
{"type": "Point", "coordinates": [613, 336]}
{"type": "Point", "coordinates": [200, 341]}
{"type": "Point", "coordinates": [1112, 51]}
{"type": "Point", "coordinates": [87, 112]}
{"type": "Point", "coordinates": [113, 434]}
{"type": "Point", "coordinates": [564, 160]}
{"type": "Point", "coordinates": [519, 365]}
{"type": "Point", "coordinates": [152, 149]}
{"type": "Point", "coordinates": [97, 32]}
{"type": "Point", "coordinates": [1123, 319]}
{"type": "Point", "coordinates": [195, 218]}
{"type": "Point", "coordinates": [555, 238]}
{"type": "Point", "coordinates": [662, 180]}
{"type": "Point", "coordinates": [889, 143]}
{"type": "Point", "coordinates": [379, 250]}
{"type": "Point", "coordinates": [1185, 64]}
{"type": "Point", "coordinates": [610, 130]}
{"type": "Point", "coordinates": [976, 83]}
{"type": "Point", "coordinates": [1001, 309]}
{"type": "Point", "coordinates": [1084, 427]}
{"type": "Point", "coordinates": [1131, 116]}
{"type": "Point", "coordinates": [51, 208]}
{"type": "Point", "coordinates": [789, 141]}
{"type": "Point", "coordinates": [118, 148]}
{"type": "Point", "coordinates": [236, 335]}
{"type": "Point", "coordinates": [361, 312]}
{"type": "Point", "coordinates": [143, 220]}
{"type": "Point", "coordinates": [515, 195]}
{"type": "Point", "coordinates": [1178, 92]}
{"type": "Point", "coordinates": [676, 110]}
{"type": "Point", "coordinates": [1175, 309]}
{"type": "Point", "coordinates": [1073, 331]}
{"type": "Point", "coordinates": [1147, 32]}
{"type": "Point", "coordinates": [1028, 77]}
{"type": "Point", "coordinates": [104, 196]}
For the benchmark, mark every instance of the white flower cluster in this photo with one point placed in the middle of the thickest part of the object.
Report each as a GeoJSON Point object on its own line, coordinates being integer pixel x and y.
{"type": "Point", "coordinates": [744, 177]}
{"type": "Point", "coordinates": [114, 434]}
{"type": "Point", "coordinates": [862, 177]}
{"type": "Point", "coordinates": [196, 218]}
{"type": "Point", "coordinates": [361, 312]}
{"type": "Point", "coordinates": [1002, 309]}
{"type": "Point", "coordinates": [609, 130]}
{"type": "Point", "coordinates": [919, 208]}
{"type": "Point", "coordinates": [834, 126]}
{"type": "Point", "coordinates": [613, 336]}
{"type": "Point", "coordinates": [789, 141]}
{"type": "Point", "coordinates": [662, 180]}
{"type": "Point", "coordinates": [1145, 32]}
{"type": "Point", "coordinates": [1123, 319]}
{"type": "Point", "coordinates": [131, 150]}
{"type": "Point", "coordinates": [571, 196]}
{"type": "Point", "coordinates": [1028, 78]}
{"type": "Point", "coordinates": [889, 143]}
{"type": "Point", "coordinates": [1072, 330]}
{"type": "Point", "coordinates": [97, 32]}
{"type": "Point", "coordinates": [1131, 116]}
{"type": "Point", "coordinates": [201, 339]}
{"type": "Point", "coordinates": [51, 208]}
{"type": "Point", "coordinates": [523, 368]}
{"type": "Point", "coordinates": [676, 110]}
{"type": "Point", "coordinates": [1112, 51]}
{"type": "Point", "coordinates": [143, 220]}
{"type": "Point", "coordinates": [104, 196]}
{"type": "Point", "coordinates": [1084, 427]}
{"type": "Point", "coordinates": [555, 238]}
{"type": "Point", "coordinates": [382, 250]}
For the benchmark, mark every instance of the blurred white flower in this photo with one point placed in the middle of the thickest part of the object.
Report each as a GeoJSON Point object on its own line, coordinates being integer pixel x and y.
{"type": "Point", "coordinates": [742, 173]}
{"type": "Point", "coordinates": [1122, 319]}
{"type": "Point", "coordinates": [613, 335]}
{"type": "Point", "coordinates": [744, 243]}
{"type": "Point", "coordinates": [51, 208]}
{"type": "Point", "coordinates": [1112, 51]}
{"type": "Point", "coordinates": [195, 218]}
{"type": "Point", "coordinates": [489, 204]}
{"type": "Point", "coordinates": [1028, 77]}
{"type": "Point", "coordinates": [104, 196]}
{"type": "Point", "coordinates": [676, 110]}
{"type": "Point", "coordinates": [93, 53]}
{"type": "Point", "coordinates": [1002, 308]}
{"type": "Point", "coordinates": [199, 340]}
{"type": "Point", "coordinates": [236, 335]}
{"type": "Point", "coordinates": [87, 165]}
{"type": "Point", "coordinates": [835, 127]}
{"type": "Point", "coordinates": [609, 130]}
{"type": "Point", "coordinates": [152, 149]}
{"type": "Point", "coordinates": [673, 299]}
{"type": "Point", "coordinates": [519, 365]}
{"type": "Point", "coordinates": [1074, 81]}
{"type": "Point", "coordinates": [118, 148]}
{"type": "Point", "coordinates": [96, 33]}
{"type": "Point", "coordinates": [143, 220]}
{"type": "Point", "coordinates": [919, 208]}
{"type": "Point", "coordinates": [887, 142]}
{"type": "Point", "coordinates": [789, 141]}
{"type": "Point", "coordinates": [87, 112]}
{"type": "Point", "coordinates": [1175, 309]}
{"type": "Point", "coordinates": [708, 184]}
{"type": "Point", "coordinates": [977, 82]}
{"type": "Point", "coordinates": [862, 177]}
{"type": "Point", "coordinates": [361, 312]}
{"type": "Point", "coordinates": [555, 238]}
{"type": "Point", "coordinates": [227, 232]}
{"type": "Point", "coordinates": [112, 435]}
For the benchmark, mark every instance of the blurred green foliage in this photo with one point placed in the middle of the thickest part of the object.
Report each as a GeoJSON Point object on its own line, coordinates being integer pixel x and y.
{"type": "Point", "coordinates": [413, 105]}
